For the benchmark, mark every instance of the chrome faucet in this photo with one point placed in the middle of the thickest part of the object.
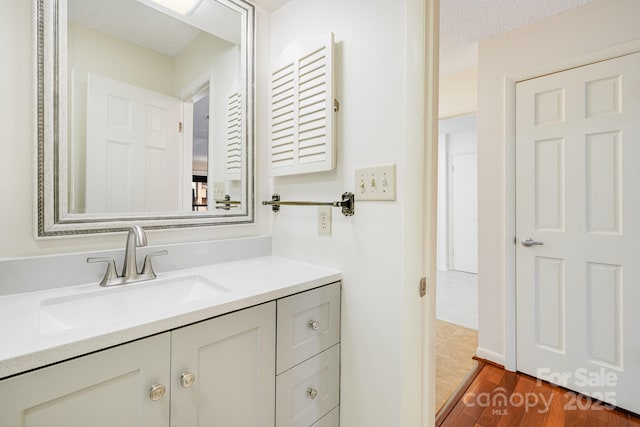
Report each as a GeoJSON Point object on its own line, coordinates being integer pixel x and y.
{"type": "Point", "coordinates": [130, 274]}
{"type": "Point", "coordinates": [135, 238]}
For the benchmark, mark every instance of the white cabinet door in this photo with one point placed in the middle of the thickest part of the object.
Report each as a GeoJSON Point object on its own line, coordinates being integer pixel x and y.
{"type": "Point", "coordinates": [104, 389]}
{"type": "Point", "coordinates": [232, 360]}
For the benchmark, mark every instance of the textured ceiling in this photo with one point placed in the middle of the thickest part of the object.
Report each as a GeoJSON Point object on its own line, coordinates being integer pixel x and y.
{"type": "Point", "coordinates": [463, 23]}
{"type": "Point", "coordinates": [138, 21]}
{"type": "Point", "coordinates": [132, 21]}
{"type": "Point", "coordinates": [270, 5]}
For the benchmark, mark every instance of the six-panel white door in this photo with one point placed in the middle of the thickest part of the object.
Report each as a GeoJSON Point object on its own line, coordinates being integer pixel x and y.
{"type": "Point", "coordinates": [134, 149]}
{"type": "Point", "coordinates": [577, 192]}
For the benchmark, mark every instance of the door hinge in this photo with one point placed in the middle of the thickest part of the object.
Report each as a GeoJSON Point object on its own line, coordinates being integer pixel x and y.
{"type": "Point", "coordinates": [180, 127]}
{"type": "Point", "coordinates": [423, 287]}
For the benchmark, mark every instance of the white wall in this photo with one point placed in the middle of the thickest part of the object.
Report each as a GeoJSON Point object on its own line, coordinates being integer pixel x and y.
{"type": "Point", "coordinates": [90, 50]}
{"type": "Point", "coordinates": [458, 93]}
{"type": "Point", "coordinates": [202, 54]}
{"type": "Point", "coordinates": [458, 97]}
{"type": "Point", "coordinates": [456, 135]}
{"type": "Point", "coordinates": [560, 42]}
{"type": "Point", "coordinates": [221, 59]}
{"type": "Point", "coordinates": [442, 256]}
{"type": "Point", "coordinates": [16, 154]}
{"type": "Point", "coordinates": [379, 249]}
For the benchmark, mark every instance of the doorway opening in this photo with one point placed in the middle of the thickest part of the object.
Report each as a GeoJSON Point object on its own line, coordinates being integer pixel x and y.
{"type": "Point", "coordinates": [200, 150]}
{"type": "Point", "coordinates": [457, 256]}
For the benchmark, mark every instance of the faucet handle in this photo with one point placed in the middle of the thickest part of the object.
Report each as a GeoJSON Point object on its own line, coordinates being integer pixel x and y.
{"type": "Point", "coordinates": [147, 269]}
{"type": "Point", "coordinates": [110, 274]}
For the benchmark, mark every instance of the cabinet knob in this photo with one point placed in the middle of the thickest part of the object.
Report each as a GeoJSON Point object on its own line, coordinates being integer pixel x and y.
{"type": "Point", "coordinates": [314, 324]}
{"type": "Point", "coordinates": [157, 392]}
{"type": "Point", "coordinates": [312, 393]}
{"type": "Point", "coordinates": [187, 379]}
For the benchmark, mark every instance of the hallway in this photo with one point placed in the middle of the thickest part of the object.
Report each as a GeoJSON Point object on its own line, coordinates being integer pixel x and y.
{"type": "Point", "coordinates": [457, 298]}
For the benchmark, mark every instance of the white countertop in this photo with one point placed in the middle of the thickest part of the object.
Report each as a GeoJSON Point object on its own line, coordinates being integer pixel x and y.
{"type": "Point", "coordinates": [252, 281]}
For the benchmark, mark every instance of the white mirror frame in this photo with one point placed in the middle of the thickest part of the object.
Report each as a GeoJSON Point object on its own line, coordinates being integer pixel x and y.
{"type": "Point", "coordinates": [52, 218]}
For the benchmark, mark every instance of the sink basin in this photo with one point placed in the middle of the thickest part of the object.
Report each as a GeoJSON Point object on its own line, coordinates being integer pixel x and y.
{"type": "Point", "coordinates": [121, 302]}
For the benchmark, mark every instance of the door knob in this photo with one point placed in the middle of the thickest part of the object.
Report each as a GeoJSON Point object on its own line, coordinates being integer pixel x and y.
{"type": "Point", "coordinates": [187, 379]}
{"type": "Point", "coordinates": [527, 242]}
{"type": "Point", "coordinates": [314, 324]}
{"type": "Point", "coordinates": [157, 392]}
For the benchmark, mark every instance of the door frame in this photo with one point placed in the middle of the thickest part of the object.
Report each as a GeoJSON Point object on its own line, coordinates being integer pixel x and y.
{"type": "Point", "coordinates": [509, 101]}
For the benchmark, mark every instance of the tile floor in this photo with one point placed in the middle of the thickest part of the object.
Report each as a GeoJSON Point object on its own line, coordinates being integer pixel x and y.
{"type": "Point", "coordinates": [456, 330]}
{"type": "Point", "coordinates": [455, 347]}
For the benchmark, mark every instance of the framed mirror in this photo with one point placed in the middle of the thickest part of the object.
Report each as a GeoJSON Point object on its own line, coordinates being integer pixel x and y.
{"type": "Point", "coordinates": [144, 114]}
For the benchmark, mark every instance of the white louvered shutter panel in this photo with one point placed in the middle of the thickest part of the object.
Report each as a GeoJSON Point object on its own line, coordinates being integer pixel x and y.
{"type": "Point", "coordinates": [234, 152]}
{"type": "Point", "coordinates": [302, 115]}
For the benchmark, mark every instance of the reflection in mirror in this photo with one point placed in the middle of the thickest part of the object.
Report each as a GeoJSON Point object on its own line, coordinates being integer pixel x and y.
{"type": "Point", "coordinates": [140, 84]}
{"type": "Point", "coordinates": [158, 116]}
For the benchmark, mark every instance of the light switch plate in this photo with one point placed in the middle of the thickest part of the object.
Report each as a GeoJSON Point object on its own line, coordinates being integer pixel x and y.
{"type": "Point", "coordinates": [375, 183]}
{"type": "Point", "coordinates": [218, 190]}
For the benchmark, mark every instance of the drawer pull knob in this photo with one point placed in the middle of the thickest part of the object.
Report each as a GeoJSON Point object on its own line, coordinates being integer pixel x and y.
{"type": "Point", "coordinates": [157, 392]}
{"type": "Point", "coordinates": [314, 324]}
{"type": "Point", "coordinates": [187, 379]}
{"type": "Point", "coordinates": [312, 393]}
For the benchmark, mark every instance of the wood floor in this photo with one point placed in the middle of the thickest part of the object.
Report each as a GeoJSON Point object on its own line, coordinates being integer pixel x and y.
{"type": "Point", "coordinates": [500, 398]}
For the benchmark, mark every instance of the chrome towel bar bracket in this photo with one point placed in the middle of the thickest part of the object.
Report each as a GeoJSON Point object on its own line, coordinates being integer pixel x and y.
{"type": "Point", "coordinates": [347, 203]}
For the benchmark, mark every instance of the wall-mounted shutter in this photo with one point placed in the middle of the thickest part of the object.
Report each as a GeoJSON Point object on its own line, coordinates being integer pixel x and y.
{"type": "Point", "coordinates": [302, 108]}
{"type": "Point", "coordinates": [234, 152]}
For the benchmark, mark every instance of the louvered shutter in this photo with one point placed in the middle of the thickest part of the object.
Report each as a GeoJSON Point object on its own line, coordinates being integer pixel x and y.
{"type": "Point", "coordinates": [302, 113]}
{"type": "Point", "coordinates": [234, 152]}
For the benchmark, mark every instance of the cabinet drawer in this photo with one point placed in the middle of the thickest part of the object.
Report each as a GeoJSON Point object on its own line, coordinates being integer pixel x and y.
{"type": "Point", "coordinates": [307, 392]}
{"type": "Point", "coordinates": [308, 323]}
{"type": "Point", "coordinates": [332, 419]}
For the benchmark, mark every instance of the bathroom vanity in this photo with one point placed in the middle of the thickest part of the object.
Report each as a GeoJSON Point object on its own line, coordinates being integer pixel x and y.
{"type": "Point", "coordinates": [262, 350]}
{"type": "Point", "coordinates": [251, 342]}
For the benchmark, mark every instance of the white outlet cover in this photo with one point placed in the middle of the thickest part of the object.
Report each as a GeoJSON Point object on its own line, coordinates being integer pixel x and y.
{"type": "Point", "coordinates": [375, 183]}
{"type": "Point", "coordinates": [324, 220]}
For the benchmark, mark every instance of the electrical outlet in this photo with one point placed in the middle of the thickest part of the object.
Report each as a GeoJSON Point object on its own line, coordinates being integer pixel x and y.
{"type": "Point", "coordinates": [218, 190]}
{"type": "Point", "coordinates": [324, 220]}
{"type": "Point", "coordinates": [375, 183]}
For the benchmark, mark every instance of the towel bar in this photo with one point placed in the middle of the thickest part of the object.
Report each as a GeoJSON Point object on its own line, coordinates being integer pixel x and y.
{"type": "Point", "coordinates": [347, 203]}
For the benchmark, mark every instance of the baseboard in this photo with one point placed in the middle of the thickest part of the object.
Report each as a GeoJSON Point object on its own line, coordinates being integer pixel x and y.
{"type": "Point", "coordinates": [490, 356]}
